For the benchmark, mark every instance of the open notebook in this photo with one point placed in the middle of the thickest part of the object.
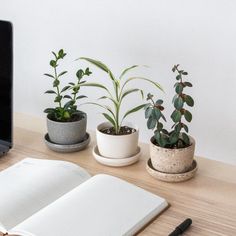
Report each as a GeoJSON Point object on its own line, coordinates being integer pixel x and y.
{"type": "Point", "coordinates": [57, 198]}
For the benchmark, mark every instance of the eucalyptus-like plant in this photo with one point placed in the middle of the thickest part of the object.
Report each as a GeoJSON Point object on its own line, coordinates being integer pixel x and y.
{"type": "Point", "coordinates": [118, 94]}
{"type": "Point", "coordinates": [68, 111]}
{"type": "Point", "coordinates": [177, 137]}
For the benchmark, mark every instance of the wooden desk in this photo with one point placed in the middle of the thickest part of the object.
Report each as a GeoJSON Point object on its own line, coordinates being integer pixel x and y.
{"type": "Point", "coordinates": [209, 198]}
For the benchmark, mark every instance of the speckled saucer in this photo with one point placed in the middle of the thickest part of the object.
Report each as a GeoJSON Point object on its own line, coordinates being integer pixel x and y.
{"type": "Point", "coordinates": [171, 177]}
{"type": "Point", "coordinates": [116, 162]}
{"type": "Point", "coordinates": [68, 147]}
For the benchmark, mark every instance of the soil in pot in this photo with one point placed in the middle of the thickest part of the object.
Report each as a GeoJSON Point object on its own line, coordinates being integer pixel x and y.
{"type": "Point", "coordinates": [124, 130]}
{"type": "Point", "coordinates": [180, 144]}
{"type": "Point", "coordinates": [73, 118]}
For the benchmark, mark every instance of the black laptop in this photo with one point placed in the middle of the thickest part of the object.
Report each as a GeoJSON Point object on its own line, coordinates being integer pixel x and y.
{"type": "Point", "coordinates": [6, 81]}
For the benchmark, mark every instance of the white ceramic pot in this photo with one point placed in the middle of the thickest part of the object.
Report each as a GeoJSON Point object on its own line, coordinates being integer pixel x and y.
{"type": "Point", "coordinates": [172, 160]}
{"type": "Point", "coordinates": [117, 146]}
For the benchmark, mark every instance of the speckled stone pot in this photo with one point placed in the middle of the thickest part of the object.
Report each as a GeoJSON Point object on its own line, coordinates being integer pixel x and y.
{"type": "Point", "coordinates": [172, 160]}
{"type": "Point", "coordinates": [67, 132]}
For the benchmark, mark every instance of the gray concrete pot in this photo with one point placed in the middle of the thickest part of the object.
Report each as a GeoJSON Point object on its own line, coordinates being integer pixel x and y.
{"type": "Point", "coordinates": [172, 160]}
{"type": "Point", "coordinates": [67, 132]}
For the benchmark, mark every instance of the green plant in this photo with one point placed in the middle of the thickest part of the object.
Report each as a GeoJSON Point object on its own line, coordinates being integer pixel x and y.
{"type": "Point", "coordinates": [67, 111]}
{"type": "Point", "coordinates": [118, 94]}
{"type": "Point", "coordinates": [177, 137]}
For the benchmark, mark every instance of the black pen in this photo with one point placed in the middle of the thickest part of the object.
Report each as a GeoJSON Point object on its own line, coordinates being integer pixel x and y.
{"type": "Point", "coordinates": [181, 228]}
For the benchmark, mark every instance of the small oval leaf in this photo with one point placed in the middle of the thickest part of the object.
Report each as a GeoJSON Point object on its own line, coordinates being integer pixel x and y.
{"type": "Point", "coordinates": [189, 100]}
{"type": "Point", "coordinates": [50, 92]}
{"type": "Point", "coordinates": [176, 116]}
{"type": "Point", "coordinates": [187, 115]}
{"type": "Point", "coordinates": [178, 103]}
{"type": "Point", "coordinates": [151, 123]}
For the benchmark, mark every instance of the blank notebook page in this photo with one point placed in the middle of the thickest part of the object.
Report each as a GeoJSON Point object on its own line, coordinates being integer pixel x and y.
{"type": "Point", "coordinates": [103, 206]}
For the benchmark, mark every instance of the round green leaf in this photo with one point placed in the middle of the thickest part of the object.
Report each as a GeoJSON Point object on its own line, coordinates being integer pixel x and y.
{"type": "Point", "coordinates": [178, 77]}
{"type": "Point", "coordinates": [157, 135]}
{"type": "Point", "coordinates": [56, 82]}
{"type": "Point", "coordinates": [162, 141]}
{"type": "Point", "coordinates": [186, 138]}
{"type": "Point", "coordinates": [53, 63]}
{"type": "Point", "coordinates": [174, 137]}
{"type": "Point", "coordinates": [58, 99]}
{"type": "Point", "coordinates": [156, 113]}
{"type": "Point", "coordinates": [178, 103]}
{"type": "Point", "coordinates": [178, 128]}
{"type": "Point", "coordinates": [174, 98]}
{"type": "Point", "coordinates": [159, 102]}
{"type": "Point", "coordinates": [151, 123]}
{"type": "Point", "coordinates": [185, 127]}
{"type": "Point", "coordinates": [188, 84]}
{"type": "Point", "coordinates": [159, 126]}
{"type": "Point", "coordinates": [179, 88]}
{"type": "Point", "coordinates": [79, 74]}
{"type": "Point", "coordinates": [187, 115]}
{"type": "Point", "coordinates": [176, 116]}
{"type": "Point", "coordinates": [148, 112]}
{"type": "Point", "coordinates": [189, 100]}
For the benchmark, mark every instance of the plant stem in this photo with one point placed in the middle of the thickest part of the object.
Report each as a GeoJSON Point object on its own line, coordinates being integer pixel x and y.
{"type": "Point", "coordinates": [117, 128]}
{"type": "Point", "coordinates": [153, 102]}
{"type": "Point", "coordinates": [180, 95]}
{"type": "Point", "coordinates": [58, 91]}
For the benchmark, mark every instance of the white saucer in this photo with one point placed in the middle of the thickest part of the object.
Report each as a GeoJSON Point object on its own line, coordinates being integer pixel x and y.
{"type": "Point", "coordinates": [117, 162]}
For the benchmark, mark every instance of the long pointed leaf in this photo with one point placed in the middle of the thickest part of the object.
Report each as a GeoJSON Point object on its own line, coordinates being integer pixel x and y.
{"type": "Point", "coordinates": [110, 119]}
{"type": "Point", "coordinates": [111, 99]}
{"type": "Point", "coordinates": [49, 75]}
{"type": "Point", "coordinates": [103, 97]}
{"type": "Point", "coordinates": [127, 92]}
{"type": "Point", "coordinates": [62, 73]}
{"type": "Point", "coordinates": [65, 88]}
{"type": "Point", "coordinates": [50, 92]}
{"type": "Point", "coordinates": [81, 96]}
{"type": "Point", "coordinates": [142, 78]}
{"type": "Point", "coordinates": [97, 63]}
{"type": "Point", "coordinates": [94, 85]}
{"type": "Point", "coordinates": [100, 65]}
{"type": "Point", "coordinates": [103, 106]}
{"type": "Point", "coordinates": [126, 70]}
{"type": "Point", "coordinates": [135, 109]}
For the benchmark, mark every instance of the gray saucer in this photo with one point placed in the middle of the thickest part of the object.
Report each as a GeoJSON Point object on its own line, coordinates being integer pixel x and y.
{"type": "Point", "coordinates": [68, 147]}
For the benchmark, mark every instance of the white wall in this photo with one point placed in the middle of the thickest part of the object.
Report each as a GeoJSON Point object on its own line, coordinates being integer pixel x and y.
{"type": "Point", "coordinates": [200, 35]}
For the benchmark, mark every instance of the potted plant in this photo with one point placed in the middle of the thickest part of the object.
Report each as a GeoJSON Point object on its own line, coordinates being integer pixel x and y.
{"type": "Point", "coordinates": [116, 139]}
{"type": "Point", "coordinates": [65, 123]}
{"type": "Point", "coordinates": [171, 151]}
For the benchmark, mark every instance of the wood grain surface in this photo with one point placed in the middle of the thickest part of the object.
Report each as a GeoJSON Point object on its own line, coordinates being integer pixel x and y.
{"type": "Point", "coordinates": [209, 198]}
